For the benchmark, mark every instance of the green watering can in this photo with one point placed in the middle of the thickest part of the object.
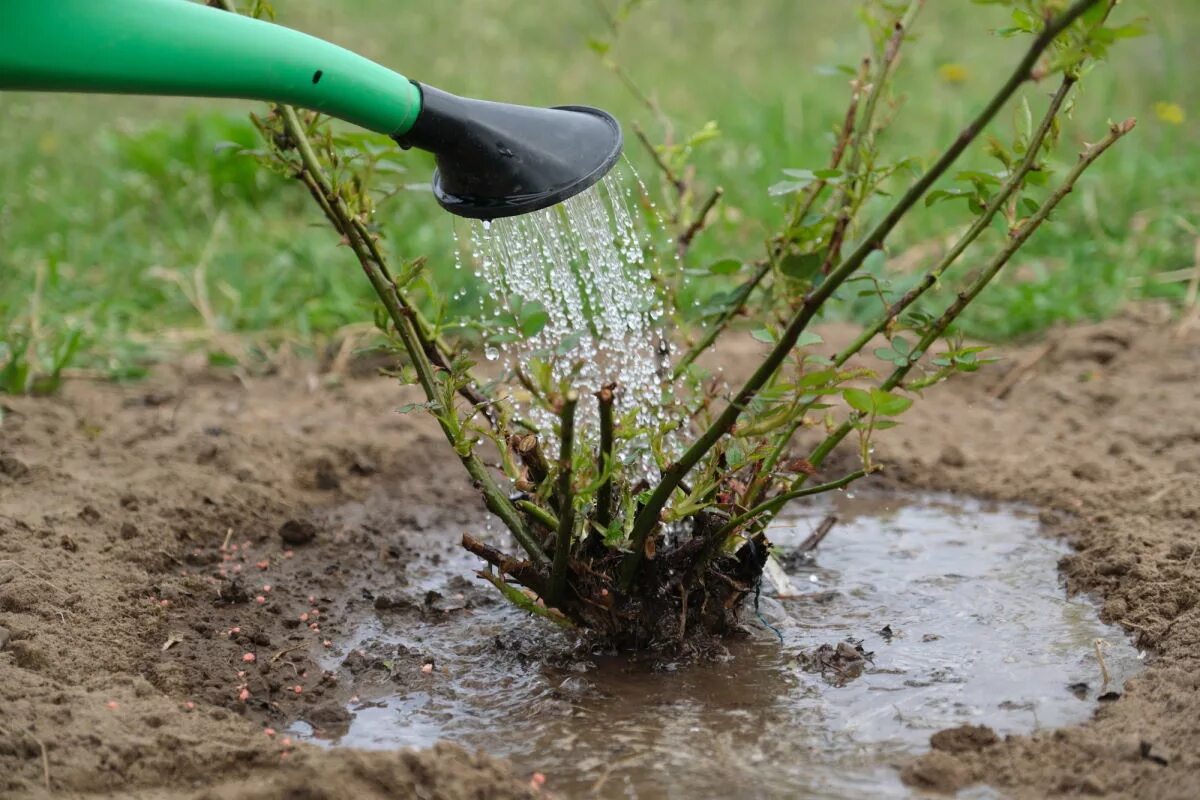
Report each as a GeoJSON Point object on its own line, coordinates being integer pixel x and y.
{"type": "Point", "coordinates": [494, 159]}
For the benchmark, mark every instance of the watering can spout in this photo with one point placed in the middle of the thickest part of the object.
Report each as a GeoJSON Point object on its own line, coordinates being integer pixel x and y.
{"type": "Point", "coordinates": [500, 160]}
{"type": "Point", "coordinates": [494, 159]}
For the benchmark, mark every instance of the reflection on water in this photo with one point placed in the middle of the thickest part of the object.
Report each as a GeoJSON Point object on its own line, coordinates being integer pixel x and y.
{"type": "Point", "coordinates": [958, 601]}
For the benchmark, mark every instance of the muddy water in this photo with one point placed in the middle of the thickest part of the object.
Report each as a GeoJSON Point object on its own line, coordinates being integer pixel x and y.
{"type": "Point", "coordinates": [957, 605]}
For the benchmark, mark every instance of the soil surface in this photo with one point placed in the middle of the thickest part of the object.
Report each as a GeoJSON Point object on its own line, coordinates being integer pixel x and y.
{"type": "Point", "coordinates": [142, 652]}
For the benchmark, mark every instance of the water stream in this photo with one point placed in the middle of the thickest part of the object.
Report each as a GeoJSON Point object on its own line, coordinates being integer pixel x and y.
{"type": "Point", "coordinates": [572, 295]}
{"type": "Point", "coordinates": [958, 603]}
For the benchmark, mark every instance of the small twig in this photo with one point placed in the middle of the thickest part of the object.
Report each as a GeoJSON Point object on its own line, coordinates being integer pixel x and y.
{"type": "Point", "coordinates": [41, 746]}
{"type": "Point", "coordinates": [778, 501]}
{"type": "Point", "coordinates": [649, 515]}
{"type": "Point", "coordinates": [816, 537]}
{"type": "Point", "coordinates": [6, 562]}
{"type": "Point", "coordinates": [604, 495]}
{"type": "Point", "coordinates": [675, 181]}
{"type": "Point", "coordinates": [698, 224]}
{"type": "Point", "coordinates": [566, 500]}
{"type": "Point", "coordinates": [287, 650]}
{"type": "Point", "coordinates": [1104, 676]}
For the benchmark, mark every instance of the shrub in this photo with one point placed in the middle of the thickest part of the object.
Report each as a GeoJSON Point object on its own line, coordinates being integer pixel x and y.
{"type": "Point", "coordinates": [658, 558]}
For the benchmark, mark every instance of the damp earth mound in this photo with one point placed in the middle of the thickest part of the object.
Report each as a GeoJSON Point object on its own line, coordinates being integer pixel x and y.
{"type": "Point", "coordinates": [114, 499]}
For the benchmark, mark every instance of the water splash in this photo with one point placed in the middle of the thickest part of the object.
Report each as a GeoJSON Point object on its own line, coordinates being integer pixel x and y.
{"type": "Point", "coordinates": [573, 293]}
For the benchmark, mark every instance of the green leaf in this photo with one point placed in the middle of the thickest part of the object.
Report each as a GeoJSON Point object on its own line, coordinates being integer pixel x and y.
{"type": "Point", "coordinates": [859, 400]}
{"type": "Point", "coordinates": [889, 405]}
{"type": "Point", "coordinates": [763, 335]}
{"type": "Point", "coordinates": [801, 266]}
{"type": "Point", "coordinates": [533, 317]}
{"type": "Point", "coordinates": [808, 338]}
{"type": "Point", "coordinates": [821, 377]}
{"type": "Point", "coordinates": [726, 266]}
{"type": "Point", "coordinates": [940, 195]}
{"type": "Point", "coordinates": [219, 358]}
{"type": "Point", "coordinates": [786, 187]}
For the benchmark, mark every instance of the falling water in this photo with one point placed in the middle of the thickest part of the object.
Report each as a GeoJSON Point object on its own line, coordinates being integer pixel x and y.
{"type": "Point", "coordinates": [581, 266]}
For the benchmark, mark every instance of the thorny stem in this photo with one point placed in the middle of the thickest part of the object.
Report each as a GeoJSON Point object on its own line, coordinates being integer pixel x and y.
{"type": "Point", "coordinates": [604, 495]}
{"type": "Point", "coordinates": [864, 134]}
{"type": "Point", "coordinates": [732, 310]}
{"type": "Point", "coordinates": [1014, 182]}
{"type": "Point", "coordinates": [403, 317]}
{"type": "Point", "coordinates": [701, 219]}
{"type": "Point", "coordinates": [566, 520]}
{"type": "Point", "coordinates": [778, 501]}
{"type": "Point", "coordinates": [648, 517]}
{"type": "Point", "coordinates": [540, 514]}
{"type": "Point", "coordinates": [803, 205]}
{"type": "Point", "coordinates": [668, 173]}
{"type": "Point", "coordinates": [1016, 240]}
{"type": "Point", "coordinates": [931, 278]}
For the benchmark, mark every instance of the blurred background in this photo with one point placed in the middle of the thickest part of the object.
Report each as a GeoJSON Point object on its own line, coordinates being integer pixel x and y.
{"type": "Point", "coordinates": [131, 231]}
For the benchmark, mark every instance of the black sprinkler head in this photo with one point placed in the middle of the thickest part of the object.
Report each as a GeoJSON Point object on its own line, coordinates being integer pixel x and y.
{"type": "Point", "coordinates": [500, 160]}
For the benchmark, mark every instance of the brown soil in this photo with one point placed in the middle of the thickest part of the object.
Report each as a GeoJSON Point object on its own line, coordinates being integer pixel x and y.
{"type": "Point", "coordinates": [122, 646]}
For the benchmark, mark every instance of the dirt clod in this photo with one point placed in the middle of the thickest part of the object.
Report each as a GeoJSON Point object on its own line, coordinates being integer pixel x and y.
{"type": "Point", "coordinates": [964, 738]}
{"type": "Point", "coordinates": [13, 467]}
{"type": "Point", "coordinates": [297, 532]}
{"type": "Point", "coordinates": [937, 771]}
{"type": "Point", "coordinates": [952, 456]}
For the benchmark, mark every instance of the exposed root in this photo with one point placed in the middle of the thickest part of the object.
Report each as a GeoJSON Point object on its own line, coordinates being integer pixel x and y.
{"type": "Point", "coordinates": [689, 592]}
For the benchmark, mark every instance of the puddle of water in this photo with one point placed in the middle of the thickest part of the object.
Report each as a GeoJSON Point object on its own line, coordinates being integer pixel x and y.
{"type": "Point", "coordinates": [978, 630]}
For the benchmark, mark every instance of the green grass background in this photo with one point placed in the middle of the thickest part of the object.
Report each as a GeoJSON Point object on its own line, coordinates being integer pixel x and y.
{"type": "Point", "coordinates": [118, 215]}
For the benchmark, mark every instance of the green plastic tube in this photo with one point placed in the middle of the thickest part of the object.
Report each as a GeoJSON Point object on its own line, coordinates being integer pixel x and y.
{"type": "Point", "coordinates": [176, 47]}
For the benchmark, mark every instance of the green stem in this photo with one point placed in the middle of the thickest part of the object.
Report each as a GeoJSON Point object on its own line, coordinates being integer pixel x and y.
{"type": "Point", "coordinates": [540, 514]}
{"type": "Point", "coordinates": [403, 318]}
{"type": "Point", "coordinates": [778, 501]}
{"type": "Point", "coordinates": [1016, 240]}
{"type": "Point", "coordinates": [732, 310]}
{"type": "Point", "coordinates": [648, 517]}
{"type": "Point", "coordinates": [1015, 181]}
{"type": "Point", "coordinates": [566, 522]}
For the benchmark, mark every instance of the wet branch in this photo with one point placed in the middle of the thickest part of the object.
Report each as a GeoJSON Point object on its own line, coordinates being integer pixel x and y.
{"type": "Point", "coordinates": [604, 495]}
{"type": "Point", "coordinates": [701, 219]}
{"type": "Point", "coordinates": [1015, 181]}
{"type": "Point", "coordinates": [648, 517]}
{"type": "Point", "coordinates": [780, 500]}
{"type": "Point", "coordinates": [404, 318]}
{"type": "Point", "coordinates": [1016, 240]}
{"type": "Point", "coordinates": [566, 520]}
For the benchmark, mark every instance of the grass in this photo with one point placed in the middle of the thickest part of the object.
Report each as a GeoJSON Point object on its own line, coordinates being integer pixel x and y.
{"type": "Point", "coordinates": [130, 232]}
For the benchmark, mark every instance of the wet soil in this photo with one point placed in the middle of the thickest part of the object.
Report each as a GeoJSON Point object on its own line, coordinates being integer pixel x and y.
{"type": "Point", "coordinates": [123, 649]}
{"type": "Point", "coordinates": [927, 611]}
